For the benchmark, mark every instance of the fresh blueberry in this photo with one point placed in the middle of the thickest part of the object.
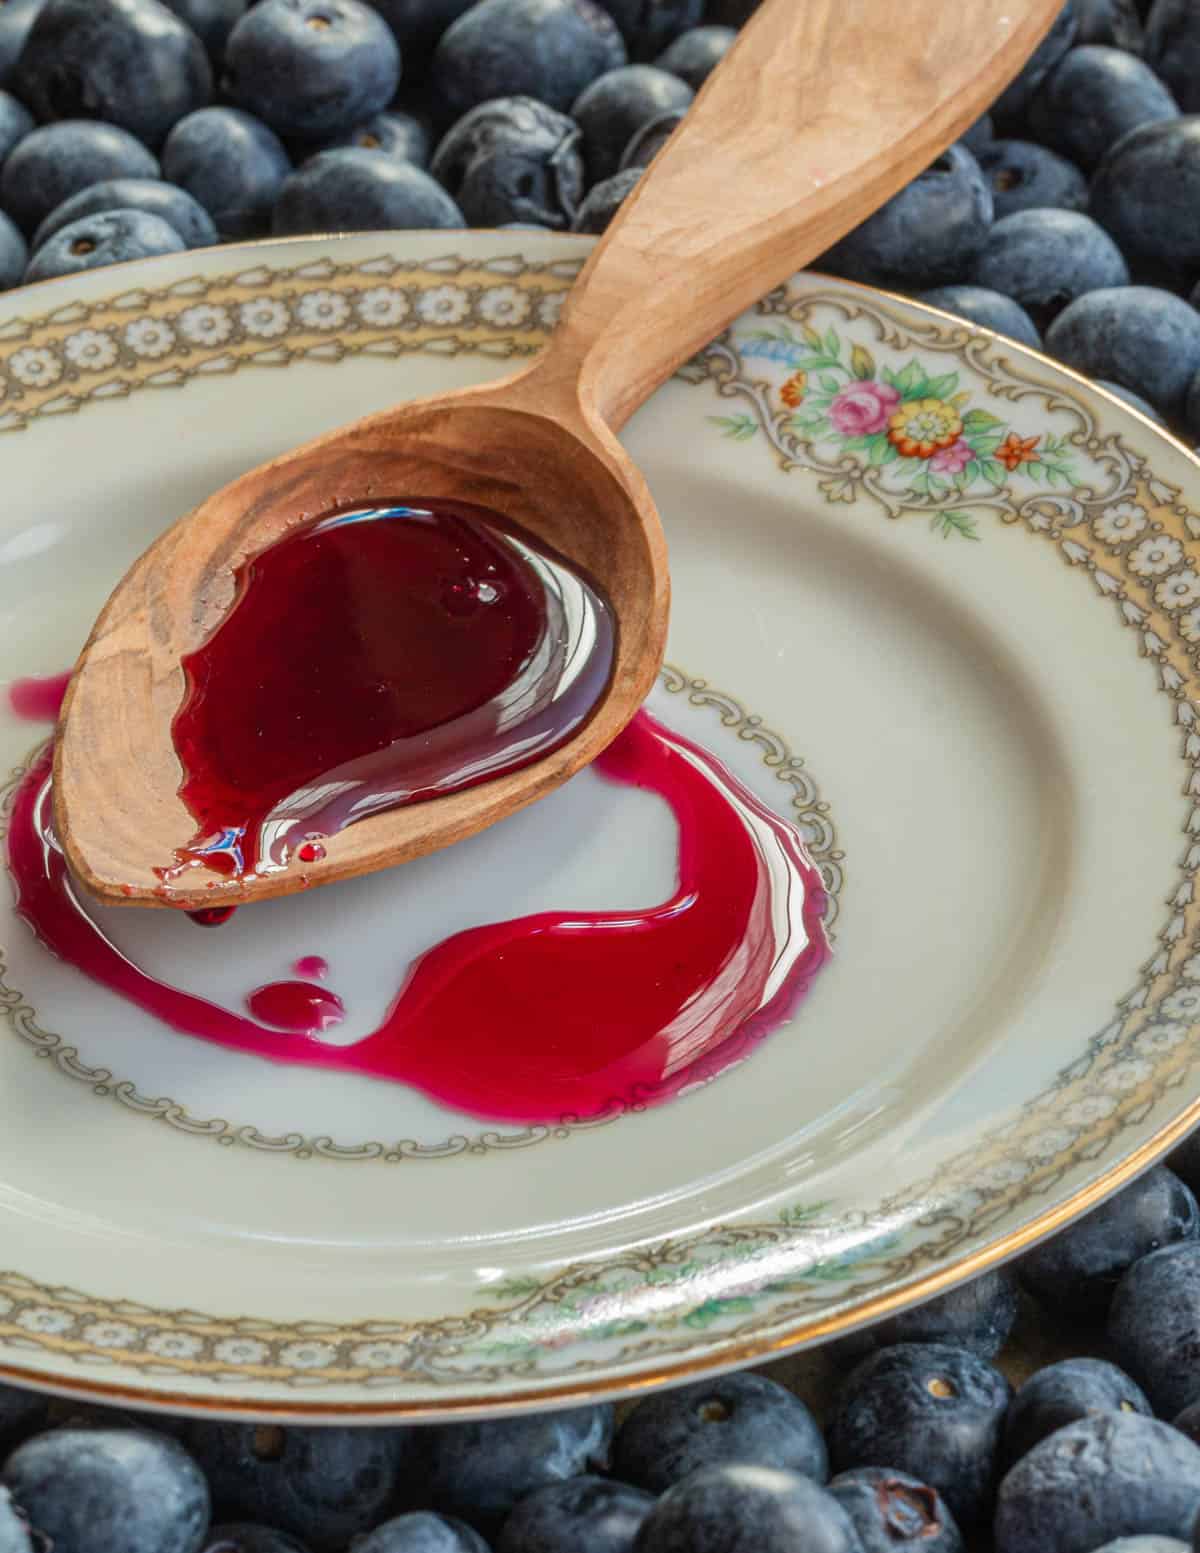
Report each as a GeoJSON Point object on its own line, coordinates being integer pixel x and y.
{"type": "Point", "coordinates": [1172, 48]}
{"type": "Point", "coordinates": [173, 205]}
{"type": "Point", "coordinates": [928, 1409]}
{"type": "Point", "coordinates": [1146, 194]}
{"type": "Point", "coordinates": [110, 1491]}
{"type": "Point", "coordinates": [1138, 336]}
{"type": "Point", "coordinates": [361, 191]}
{"type": "Point", "coordinates": [604, 200]}
{"type": "Point", "coordinates": [616, 106]}
{"type": "Point", "coordinates": [16, 122]}
{"type": "Point", "coordinates": [1188, 1421]}
{"type": "Point", "coordinates": [395, 133]}
{"type": "Point", "coordinates": [58, 160]}
{"type": "Point", "coordinates": [1044, 259]}
{"type": "Point", "coordinates": [131, 63]}
{"type": "Point", "coordinates": [514, 159]}
{"type": "Point", "coordinates": [1154, 1325]}
{"type": "Point", "coordinates": [1063, 1392]}
{"type": "Point", "coordinates": [695, 54]}
{"type": "Point", "coordinates": [645, 145]}
{"type": "Point", "coordinates": [14, 1529]}
{"type": "Point", "coordinates": [248, 1537]}
{"type": "Point", "coordinates": [110, 237]}
{"type": "Point", "coordinates": [927, 235]}
{"type": "Point", "coordinates": [230, 163]}
{"type": "Point", "coordinates": [418, 26]}
{"type": "Point", "coordinates": [548, 49]}
{"type": "Point", "coordinates": [22, 1412]}
{"type": "Point", "coordinates": [1093, 97]}
{"type": "Point", "coordinates": [1106, 1476]}
{"type": "Point", "coordinates": [648, 26]}
{"type": "Point", "coordinates": [746, 1417]}
{"type": "Point", "coordinates": [1184, 1160]}
{"type": "Point", "coordinates": [16, 19]}
{"type": "Point", "coordinates": [1075, 1272]}
{"type": "Point", "coordinates": [323, 1486]}
{"type": "Point", "coordinates": [587, 1512]}
{"type": "Point", "coordinates": [987, 308]}
{"type": "Point", "coordinates": [1145, 1542]}
{"type": "Point", "coordinates": [979, 134]}
{"type": "Point", "coordinates": [478, 1471]}
{"type": "Point", "coordinates": [1136, 400]}
{"type": "Point", "coordinates": [1008, 110]}
{"type": "Point", "coordinates": [211, 20]}
{"type": "Point", "coordinates": [1110, 21]}
{"type": "Point", "coordinates": [889, 1510]}
{"type": "Point", "coordinates": [977, 1315]}
{"type": "Point", "coordinates": [312, 68]}
{"type": "Point", "coordinates": [1025, 176]}
{"type": "Point", "coordinates": [420, 1531]}
{"type": "Point", "coordinates": [732, 1509]}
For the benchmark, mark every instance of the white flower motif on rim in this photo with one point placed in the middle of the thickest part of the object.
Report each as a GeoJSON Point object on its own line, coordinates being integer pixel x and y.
{"type": "Point", "coordinates": [1005, 1172]}
{"type": "Point", "coordinates": [1178, 590]}
{"type": "Point", "coordinates": [241, 1350]}
{"type": "Point", "coordinates": [505, 307]}
{"type": "Point", "coordinates": [550, 308]}
{"type": "Point", "coordinates": [91, 350]}
{"type": "Point", "coordinates": [382, 307]}
{"type": "Point", "coordinates": [1154, 556]}
{"type": "Point", "coordinates": [1123, 520]}
{"type": "Point", "coordinates": [443, 305]}
{"type": "Point", "coordinates": [1088, 1110]}
{"type": "Point", "coordinates": [35, 366]}
{"type": "Point", "coordinates": [174, 1345]}
{"type": "Point", "coordinates": [206, 324]}
{"type": "Point", "coordinates": [152, 337]}
{"type": "Point", "coordinates": [380, 1356]}
{"type": "Point", "coordinates": [1127, 1075]}
{"type": "Point", "coordinates": [1191, 968]}
{"type": "Point", "coordinates": [1045, 1145]}
{"type": "Point", "coordinates": [308, 1356]}
{"type": "Point", "coordinates": [266, 318]}
{"type": "Point", "coordinates": [1164, 1036]}
{"type": "Point", "coordinates": [45, 1321]}
{"type": "Point", "coordinates": [6, 1305]}
{"type": "Point", "coordinates": [322, 310]}
{"type": "Point", "coordinates": [109, 1334]}
{"type": "Point", "coordinates": [1189, 625]}
{"type": "Point", "coordinates": [1183, 1004]}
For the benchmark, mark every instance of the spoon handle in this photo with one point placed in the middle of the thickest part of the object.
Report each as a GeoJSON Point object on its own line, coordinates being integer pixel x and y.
{"type": "Point", "coordinates": [821, 111]}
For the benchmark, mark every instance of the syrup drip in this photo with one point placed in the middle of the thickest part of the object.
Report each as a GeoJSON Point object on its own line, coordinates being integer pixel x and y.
{"type": "Point", "coordinates": [38, 699]}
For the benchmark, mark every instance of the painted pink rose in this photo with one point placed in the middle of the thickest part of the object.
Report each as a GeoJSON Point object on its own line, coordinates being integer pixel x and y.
{"type": "Point", "coordinates": [954, 459]}
{"type": "Point", "coordinates": [862, 409]}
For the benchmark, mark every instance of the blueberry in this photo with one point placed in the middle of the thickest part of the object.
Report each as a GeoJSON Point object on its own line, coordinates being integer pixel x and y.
{"type": "Point", "coordinates": [989, 308]}
{"type": "Point", "coordinates": [14, 1530]}
{"type": "Point", "coordinates": [1145, 1542]}
{"type": "Point", "coordinates": [748, 1418]}
{"type": "Point", "coordinates": [395, 133]}
{"type": "Point", "coordinates": [58, 160]}
{"type": "Point", "coordinates": [311, 67]}
{"type": "Point", "coordinates": [695, 54]}
{"type": "Point", "coordinates": [1044, 259]}
{"type": "Point", "coordinates": [248, 1537]}
{"type": "Point", "coordinates": [131, 63]}
{"type": "Point", "coordinates": [735, 1509]}
{"type": "Point", "coordinates": [978, 135]}
{"type": "Point", "coordinates": [173, 205]}
{"type": "Point", "coordinates": [1092, 98]}
{"type": "Point", "coordinates": [1138, 336]}
{"type": "Point", "coordinates": [1025, 176]}
{"type": "Point", "coordinates": [648, 26]}
{"type": "Point", "coordinates": [1107, 1476]}
{"type": "Point", "coordinates": [110, 1491]}
{"type": "Point", "coordinates": [1173, 48]}
{"type": "Point", "coordinates": [1110, 21]}
{"type": "Point", "coordinates": [889, 1509]}
{"type": "Point", "coordinates": [323, 1486]}
{"type": "Point", "coordinates": [211, 20]}
{"type": "Point", "coordinates": [22, 1412]}
{"type": "Point", "coordinates": [417, 26]}
{"type": "Point", "coordinates": [1146, 193]}
{"type": "Point", "coordinates": [1154, 1325]}
{"type": "Point", "coordinates": [1060, 1394]}
{"type": "Point", "coordinates": [604, 200]}
{"type": "Point", "coordinates": [548, 49]}
{"type": "Point", "coordinates": [645, 145]}
{"type": "Point", "coordinates": [977, 1315]}
{"type": "Point", "coordinates": [1184, 1159]}
{"type": "Point", "coordinates": [928, 1409]}
{"type": "Point", "coordinates": [926, 235]}
{"type": "Point", "coordinates": [478, 1471]}
{"type": "Point", "coordinates": [422, 1532]}
{"type": "Point", "coordinates": [1009, 109]}
{"type": "Point", "coordinates": [587, 1512]}
{"type": "Point", "coordinates": [16, 122]}
{"type": "Point", "coordinates": [1136, 400]}
{"type": "Point", "coordinates": [1076, 1271]}
{"type": "Point", "coordinates": [110, 237]}
{"type": "Point", "coordinates": [361, 191]}
{"type": "Point", "coordinates": [16, 18]}
{"type": "Point", "coordinates": [616, 106]}
{"type": "Point", "coordinates": [230, 163]}
{"type": "Point", "coordinates": [514, 159]}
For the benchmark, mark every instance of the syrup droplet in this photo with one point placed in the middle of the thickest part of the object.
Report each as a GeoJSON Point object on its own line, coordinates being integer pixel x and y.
{"type": "Point", "coordinates": [212, 916]}
{"type": "Point", "coordinates": [40, 699]}
{"type": "Point", "coordinates": [297, 1007]}
{"type": "Point", "coordinates": [310, 852]}
{"type": "Point", "coordinates": [311, 967]}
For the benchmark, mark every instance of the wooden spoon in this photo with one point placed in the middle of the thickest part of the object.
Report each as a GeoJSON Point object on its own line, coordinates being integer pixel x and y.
{"type": "Point", "coordinates": [822, 111]}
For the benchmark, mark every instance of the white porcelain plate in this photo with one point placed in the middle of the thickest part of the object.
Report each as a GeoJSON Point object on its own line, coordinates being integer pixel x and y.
{"type": "Point", "coordinates": [934, 598]}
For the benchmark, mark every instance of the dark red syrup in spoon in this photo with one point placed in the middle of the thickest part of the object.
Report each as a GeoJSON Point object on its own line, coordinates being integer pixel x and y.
{"type": "Point", "coordinates": [376, 657]}
{"type": "Point", "coordinates": [555, 1014]}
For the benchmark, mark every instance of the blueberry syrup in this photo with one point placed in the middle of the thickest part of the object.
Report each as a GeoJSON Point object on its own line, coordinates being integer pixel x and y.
{"type": "Point", "coordinates": [39, 699]}
{"type": "Point", "coordinates": [377, 657]}
{"type": "Point", "coordinates": [557, 1013]}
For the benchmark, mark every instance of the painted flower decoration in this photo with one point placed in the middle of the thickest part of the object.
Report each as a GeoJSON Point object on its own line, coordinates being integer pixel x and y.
{"type": "Point", "coordinates": [1179, 590]}
{"type": "Point", "coordinates": [1015, 451]}
{"type": "Point", "coordinates": [922, 426]}
{"type": "Point", "coordinates": [443, 305]}
{"type": "Point", "coordinates": [792, 392]}
{"type": "Point", "coordinates": [1123, 520]}
{"type": "Point", "coordinates": [504, 307]}
{"type": "Point", "coordinates": [35, 366]}
{"type": "Point", "coordinates": [265, 318]}
{"type": "Point", "coordinates": [323, 310]}
{"type": "Point", "coordinates": [91, 350]}
{"type": "Point", "coordinates": [1155, 556]}
{"type": "Point", "coordinates": [954, 459]}
{"type": "Point", "coordinates": [862, 409]}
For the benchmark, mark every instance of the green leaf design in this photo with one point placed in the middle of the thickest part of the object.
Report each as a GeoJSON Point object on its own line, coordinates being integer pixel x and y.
{"type": "Point", "coordinates": [890, 378]}
{"type": "Point", "coordinates": [980, 420]}
{"type": "Point", "coordinates": [882, 452]}
{"type": "Point", "coordinates": [829, 383]}
{"type": "Point", "coordinates": [949, 523]}
{"type": "Point", "coordinates": [514, 1289]}
{"type": "Point", "coordinates": [832, 344]}
{"type": "Point", "coordinates": [985, 443]}
{"type": "Point", "coordinates": [813, 338]}
{"type": "Point", "coordinates": [803, 423]}
{"type": "Point", "coordinates": [993, 471]}
{"type": "Point", "coordinates": [862, 363]}
{"type": "Point", "coordinates": [740, 427]}
{"type": "Point", "coordinates": [803, 1213]}
{"type": "Point", "coordinates": [910, 379]}
{"type": "Point", "coordinates": [712, 1310]}
{"type": "Point", "coordinates": [942, 387]}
